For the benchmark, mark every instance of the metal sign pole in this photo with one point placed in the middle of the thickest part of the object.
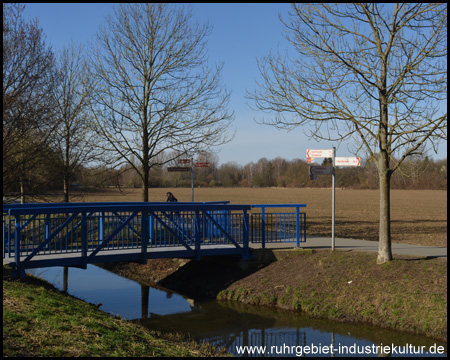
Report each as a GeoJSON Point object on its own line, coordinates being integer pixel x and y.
{"type": "Point", "coordinates": [192, 178]}
{"type": "Point", "coordinates": [333, 199]}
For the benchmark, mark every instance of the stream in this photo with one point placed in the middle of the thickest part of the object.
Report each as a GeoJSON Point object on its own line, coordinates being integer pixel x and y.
{"type": "Point", "coordinates": [259, 331]}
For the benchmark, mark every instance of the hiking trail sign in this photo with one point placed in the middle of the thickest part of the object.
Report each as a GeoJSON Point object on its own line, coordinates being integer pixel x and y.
{"type": "Point", "coordinates": [329, 170]}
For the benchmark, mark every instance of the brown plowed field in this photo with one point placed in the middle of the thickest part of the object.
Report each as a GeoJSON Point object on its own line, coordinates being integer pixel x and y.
{"type": "Point", "coordinates": [418, 216]}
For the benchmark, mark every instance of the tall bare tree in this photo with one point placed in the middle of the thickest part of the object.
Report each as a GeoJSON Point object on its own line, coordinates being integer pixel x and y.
{"type": "Point", "coordinates": [154, 90]}
{"type": "Point", "coordinates": [373, 72]}
{"type": "Point", "coordinates": [28, 78]}
{"type": "Point", "coordinates": [73, 137]}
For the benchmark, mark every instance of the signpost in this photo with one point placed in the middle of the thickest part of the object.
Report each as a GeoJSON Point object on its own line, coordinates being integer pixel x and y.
{"type": "Point", "coordinates": [190, 168]}
{"type": "Point", "coordinates": [320, 170]}
{"type": "Point", "coordinates": [327, 170]}
{"type": "Point", "coordinates": [347, 161]}
{"type": "Point", "coordinates": [184, 161]}
{"type": "Point", "coordinates": [319, 153]}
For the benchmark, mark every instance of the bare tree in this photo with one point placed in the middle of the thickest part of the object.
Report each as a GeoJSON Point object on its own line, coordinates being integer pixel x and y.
{"type": "Point", "coordinates": [374, 72]}
{"type": "Point", "coordinates": [75, 141]}
{"type": "Point", "coordinates": [154, 90]}
{"type": "Point", "coordinates": [28, 78]}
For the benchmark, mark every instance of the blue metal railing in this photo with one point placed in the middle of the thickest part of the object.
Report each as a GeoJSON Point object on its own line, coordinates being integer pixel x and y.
{"type": "Point", "coordinates": [278, 227]}
{"type": "Point", "coordinates": [91, 230]}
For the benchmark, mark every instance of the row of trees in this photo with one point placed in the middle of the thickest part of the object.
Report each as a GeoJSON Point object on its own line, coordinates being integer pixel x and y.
{"type": "Point", "coordinates": [144, 88]}
{"type": "Point", "coordinates": [422, 173]}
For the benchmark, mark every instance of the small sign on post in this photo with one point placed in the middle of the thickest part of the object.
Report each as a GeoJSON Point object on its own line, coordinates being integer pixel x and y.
{"type": "Point", "coordinates": [320, 170]}
{"type": "Point", "coordinates": [328, 153]}
{"type": "Point", "coordinates": [347, 161]}
{"type": "Point", "coordinates": [184, 161]}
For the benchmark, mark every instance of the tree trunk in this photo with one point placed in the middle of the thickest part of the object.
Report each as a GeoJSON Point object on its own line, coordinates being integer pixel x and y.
{"type": "Point", "coordinates": [145, 161]}
{"type": "Point", "coordinates": [66, 187]}
{"type": "Point", "coordinates": [384, 244]}
{"type": "Point", "coordinates": [145, 186]}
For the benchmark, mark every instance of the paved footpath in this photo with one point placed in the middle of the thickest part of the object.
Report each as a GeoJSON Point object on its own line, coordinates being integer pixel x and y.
{"type": "Point", "coordinates": [318, 242]}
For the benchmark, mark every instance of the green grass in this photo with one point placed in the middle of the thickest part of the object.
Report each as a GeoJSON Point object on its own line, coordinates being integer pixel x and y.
{"type": "Point", "coordinates": [405, 294]}
{"type": "Point", "coordinates": [39, 320]}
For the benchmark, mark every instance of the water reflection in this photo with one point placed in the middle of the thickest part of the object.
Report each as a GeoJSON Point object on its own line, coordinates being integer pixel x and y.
{"type": "Point", "coordinates": [113, 294]}
{"type": "Point", "coordinates": [223, 324]}
{"type": "Point", "coordinates": [232, 324]}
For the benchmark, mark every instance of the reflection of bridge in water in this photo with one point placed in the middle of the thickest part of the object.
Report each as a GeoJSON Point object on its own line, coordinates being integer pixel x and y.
{"type": "Point", "coordinates": [226, 329]}
{"type": "Point", "coordinates": [77, 234]}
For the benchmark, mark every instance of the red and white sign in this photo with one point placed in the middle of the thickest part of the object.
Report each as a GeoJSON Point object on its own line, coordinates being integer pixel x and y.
{"type": "Point", "coordinates": [319, 153]}
{"type": "Point", "coordinates": [202, 164]}
{"type": "Point", "coordinates": [184, 161]}
{"type": "Point", "coordinates": [320, 170]}
{"type": "Point", "coordinates": [347, 161]}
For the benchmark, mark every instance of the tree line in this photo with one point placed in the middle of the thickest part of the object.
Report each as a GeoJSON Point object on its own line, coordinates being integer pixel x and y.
{"type": "Point", "coordinates": [421, 173]}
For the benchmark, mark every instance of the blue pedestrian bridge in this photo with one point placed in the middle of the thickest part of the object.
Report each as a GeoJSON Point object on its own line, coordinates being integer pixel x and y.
{"type": "Point", "coordinates": [76, 234]}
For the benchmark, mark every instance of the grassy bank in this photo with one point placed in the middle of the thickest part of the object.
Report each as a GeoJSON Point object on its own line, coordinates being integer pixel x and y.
{"type": "Point", "coordinates": [405, 294]}
{"type": "Point", "coordinates": [39, 320]}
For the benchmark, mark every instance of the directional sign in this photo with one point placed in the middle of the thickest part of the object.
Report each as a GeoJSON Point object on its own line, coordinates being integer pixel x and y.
{"type": "Point", "coordinates": [319, 153]}
{"type": "Point", "coordinates": [347, 161]}
{"type": "Point", "coordinates": [178, 168]}
{"type": "Point", "coordinates": [202, 164]}
{"type": "Point", "coordinates": [320, 170]}
{"type": "Point", "coordinates": [184, 161]}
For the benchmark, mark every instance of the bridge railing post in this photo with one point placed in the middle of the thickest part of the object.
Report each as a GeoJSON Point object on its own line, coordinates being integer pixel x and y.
{"type": "Point", "coordinates": [84, 239]}
{"type": "Point", "coordinates": [151, 225]}
{"type": "Point", "coordinates": [246, 237]}
{"type": "Point", "coordinates": [144, 235]}
{"type": "Point", "coordinates": [101, 228]}
{"type": "Point", "coordinates": [197, 234]}
{"type": "Point", "coordinates": [263, 226]}
{"type": "Point", "coordinates": [17, 240]}
{"type": "Point", "coordinates": [297, 221]}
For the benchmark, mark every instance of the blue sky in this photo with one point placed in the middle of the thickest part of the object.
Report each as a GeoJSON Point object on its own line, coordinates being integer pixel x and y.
{"type": "Point", "coordinates": [241, 34]}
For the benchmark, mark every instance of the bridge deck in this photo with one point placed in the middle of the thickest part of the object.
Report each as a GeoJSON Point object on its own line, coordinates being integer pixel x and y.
{"type": "Point", "coordinates": [77, 260]}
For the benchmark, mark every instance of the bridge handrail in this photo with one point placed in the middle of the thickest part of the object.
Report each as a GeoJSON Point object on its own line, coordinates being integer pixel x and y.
{"type": "Point", "coordinates": [278, 205]}
{"type": "Point", "coordinates": [29, 209]}
{"type": "Point", "coordinates": [297, 219]}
